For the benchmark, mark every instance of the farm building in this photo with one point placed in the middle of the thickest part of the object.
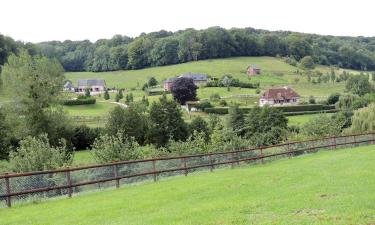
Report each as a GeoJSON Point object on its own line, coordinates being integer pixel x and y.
{"type": "Point", "coordinates": [95, 85]}
{"type": "Point", "coordinates": [199, 80]}
{"type": "Point", "coordinates": [253, 70]}
{"type": "Point", "coordinates": [68, 86]}
{"type": "Point", "coordinates": [279, 96]}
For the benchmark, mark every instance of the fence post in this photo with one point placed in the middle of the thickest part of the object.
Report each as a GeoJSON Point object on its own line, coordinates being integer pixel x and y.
{"type": "Point", "coordinates": [7, 191]}
{"type": "Point", "coordinates": [154, 169]}
{"type": "Point", "coordinates": [261, 154]}
{"type": "Point", "coordinates": [69, 182]}
{"type": "Point", "coordinates": [210, 160]}
{"type": "Point", "coordinates": [288, 149]}
{"type": "Point", "coordinates": [115, 171]}
{"type": "Point", "coordinates": [334, 142]}
{"type": "Point", "coordinates": [183, 162]}
{"type": "Point", "coordinates": [232, 164]}
{"type": "Point", "coordinates": [355, 140]}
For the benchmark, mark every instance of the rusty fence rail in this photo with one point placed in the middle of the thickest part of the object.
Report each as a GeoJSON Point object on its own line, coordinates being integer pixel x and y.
{"type": "Point", "coordinates": [33, 186]}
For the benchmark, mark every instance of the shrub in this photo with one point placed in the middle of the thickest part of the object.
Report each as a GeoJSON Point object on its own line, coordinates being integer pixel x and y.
{"type": "Point", "coordinates": [333, 98]}
{"type": "Point", "coordinates": [312, 100]}
{"type": "Point", "coordinates": [80, 101]}
{"type": "Point", "coordinates": [106, 95]}
{"type": "Point", "coordinates": [223, 102]}
{"type": "Point", "coordinates": [215, 97]}
{"type": "Point", "coordinates": [108, 148]}
{"type": "Point", "coordinates": [203, 105]}
{"type": "Point", "coordinates": [35, 153]}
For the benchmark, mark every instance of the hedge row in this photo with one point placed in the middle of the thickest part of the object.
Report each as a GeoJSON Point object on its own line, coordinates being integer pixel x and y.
{"type": "Point", "coordinates": [310, 112]}
{"type": "Point", "coordinates": [85, 101]}
{"type": "Point", "coordinates": [240, 84]}
{"type": "Point", "coordinates": [304, 109]}
{"type": "Point", "coordinates": [153, 93]}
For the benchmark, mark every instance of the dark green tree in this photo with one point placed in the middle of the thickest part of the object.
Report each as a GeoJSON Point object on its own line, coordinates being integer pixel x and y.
{"type": "Point", "coordinates": [198, 124]}
{"type": "Point", "coordinates": [166, 122]}
{"type": "Point", "coordinates": [106, 95]}
{"type": "Point", "coordinates": [131, 121]}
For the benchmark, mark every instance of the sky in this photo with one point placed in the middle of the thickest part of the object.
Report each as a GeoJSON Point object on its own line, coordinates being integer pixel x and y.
{"type": "Point", "coordinates": [46, 20]}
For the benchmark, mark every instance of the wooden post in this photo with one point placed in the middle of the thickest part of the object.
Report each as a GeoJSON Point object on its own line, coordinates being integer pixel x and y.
{"type": "Point", "coordinates": [261, 154]}
{"type": "Point", "coordinates": [115, 171]}
{"type": "Point", "coordinates": [69, 182]}
{"type": "Point", "coordinates": [210, 160]}
{"type": "Point", "coordinates": [183, 162]}
{"type": "Point", "coordinates": [355, 140]}
{"type": "Point", "coordinates": [334, 142]}
{"type": "Point", "coordinates": [7, 191]}
{"type": "Point", "coordinates": [288, 149]}
{"type": "Point", "coordinates": [154, 169]}
{"type": "Point", "coordinates": [232, 164]}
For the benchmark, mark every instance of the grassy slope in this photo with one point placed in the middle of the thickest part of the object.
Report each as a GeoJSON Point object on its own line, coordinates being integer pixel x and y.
{"type": "Point", "coordinates": [301, 119]}
{"type": "Point", "coordinates": [325, 188]}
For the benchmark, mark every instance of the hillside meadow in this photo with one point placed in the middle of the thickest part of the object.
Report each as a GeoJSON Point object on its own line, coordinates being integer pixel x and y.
{"type": "Point", "coordinates": [329, 187]}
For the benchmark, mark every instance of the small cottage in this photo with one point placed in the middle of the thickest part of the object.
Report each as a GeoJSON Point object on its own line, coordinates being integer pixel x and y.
{"type": "Point", "coordinates": [94, 85]}
{"type": "Point", "coordinates": [253, 70]}
{"type": "Point", "coordinates": [279, 96]}
{"type": "Point", "coordinates": [68, 86]}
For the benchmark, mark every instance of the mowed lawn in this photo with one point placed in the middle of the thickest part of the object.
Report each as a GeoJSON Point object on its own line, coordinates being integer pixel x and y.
{"type": "Point", "coordinates": [330, 187]}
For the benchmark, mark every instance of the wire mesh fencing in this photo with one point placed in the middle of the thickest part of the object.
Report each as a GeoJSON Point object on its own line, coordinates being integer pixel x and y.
{"type": "Point", "coordinates": [36, 186]}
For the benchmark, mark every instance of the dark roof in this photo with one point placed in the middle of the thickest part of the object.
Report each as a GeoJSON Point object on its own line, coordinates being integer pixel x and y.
{"type": "Point", "coordinates": [68, 84]}
{"type": "Point", "coordinates": [280, 93]}
{"type": "Point", "coordinates": [255, 67]}
{"type": "Point", "coordinates": [91, 82]}
{"type": "Point", "coordinates": [195, 76]}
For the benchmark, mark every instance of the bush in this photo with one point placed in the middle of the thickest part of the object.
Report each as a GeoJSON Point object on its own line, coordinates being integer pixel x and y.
{"type": "Point", "coordinates": [312, 100]}
{"type": "Point", "coordinates": [215, 97]}
{"type": "Point", "coordinates": [80, 101]}
{"type": "Point", "coordinates": [203, 105]}
{"type": "Point", "coordinates": [106, 95]}
{"type": "Point", "coordinates": [35, 154]}
{"type": "Point", "coordinates": [115, 148]}
{"type": "Point", "coordinates": [223, 102]}
{"type": "Point", "coordinates": [333, 98]}
{"type": "Point", "coordinates": [159, 92]}
{"type": "Point", "coordinates": [285, 109]}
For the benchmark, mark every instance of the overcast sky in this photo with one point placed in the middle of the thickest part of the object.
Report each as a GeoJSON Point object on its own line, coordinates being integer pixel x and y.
{"type": "Point", "coordinates": [45, 20]}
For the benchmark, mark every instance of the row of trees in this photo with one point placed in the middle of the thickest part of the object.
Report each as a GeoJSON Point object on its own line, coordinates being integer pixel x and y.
{"type": "Point", "coordinates": [164, 48]}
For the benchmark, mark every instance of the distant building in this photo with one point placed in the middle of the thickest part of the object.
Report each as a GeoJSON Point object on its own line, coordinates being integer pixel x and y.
{"type": "Point", "coordinates": [94, 85]}
{"type": "Point", "coordinates": [253, 70]}
{"type": "Point", "coordinates": [198, 79]}
{"type": "Point", "coordinates": [279, 96]}
{"type": "Point", "coordinates": [68, 86]}
{"type": "Point", "coordinates": [167, 84]}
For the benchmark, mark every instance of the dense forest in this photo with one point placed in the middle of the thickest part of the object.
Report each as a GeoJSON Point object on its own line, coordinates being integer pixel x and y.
{"type": "Point", "coordinates": [165, 48]}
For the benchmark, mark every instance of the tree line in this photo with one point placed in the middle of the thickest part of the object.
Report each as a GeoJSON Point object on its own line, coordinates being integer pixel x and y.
{"type": "Point", "coordinates": [165, 48]}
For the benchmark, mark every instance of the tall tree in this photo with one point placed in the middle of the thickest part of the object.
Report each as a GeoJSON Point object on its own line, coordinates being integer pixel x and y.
{"type": "Point", "coordinates": [166, 122]}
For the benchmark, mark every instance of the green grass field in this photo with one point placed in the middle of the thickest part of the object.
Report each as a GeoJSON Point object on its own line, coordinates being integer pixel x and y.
{"type": "Point", "coordinates": [330, 187]}
{"type": "Point", "coordinates": [301, 119]}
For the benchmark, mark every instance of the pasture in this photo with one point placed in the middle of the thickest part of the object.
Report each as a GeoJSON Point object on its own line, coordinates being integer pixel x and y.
{"type": "Point", "coordinates": [329, 187]}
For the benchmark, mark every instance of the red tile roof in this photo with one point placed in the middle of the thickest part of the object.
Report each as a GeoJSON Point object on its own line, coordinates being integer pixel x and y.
{"type": "Point", "coordinates": [280, 93]}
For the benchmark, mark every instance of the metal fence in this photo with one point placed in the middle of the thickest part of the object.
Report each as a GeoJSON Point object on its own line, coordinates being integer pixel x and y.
{"type": "Point", "coordinates": [34, 186]}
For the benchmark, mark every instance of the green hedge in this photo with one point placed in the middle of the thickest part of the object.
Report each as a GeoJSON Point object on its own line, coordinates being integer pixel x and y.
{"type": "Point", "coordinates": [153, 93]}
{"type": "Point", "coordinates": [80, 101]}
{"type": "Point", "coordinates": [303, 109]}
{"type": "Point", "coordinates": [310, 112]}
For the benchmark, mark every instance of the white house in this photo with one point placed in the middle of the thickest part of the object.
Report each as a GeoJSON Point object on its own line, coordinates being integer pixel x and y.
{"type": "Point", "coordinates": [95, 85]}
{"type": "Point", "coordinates": [279, 96]}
